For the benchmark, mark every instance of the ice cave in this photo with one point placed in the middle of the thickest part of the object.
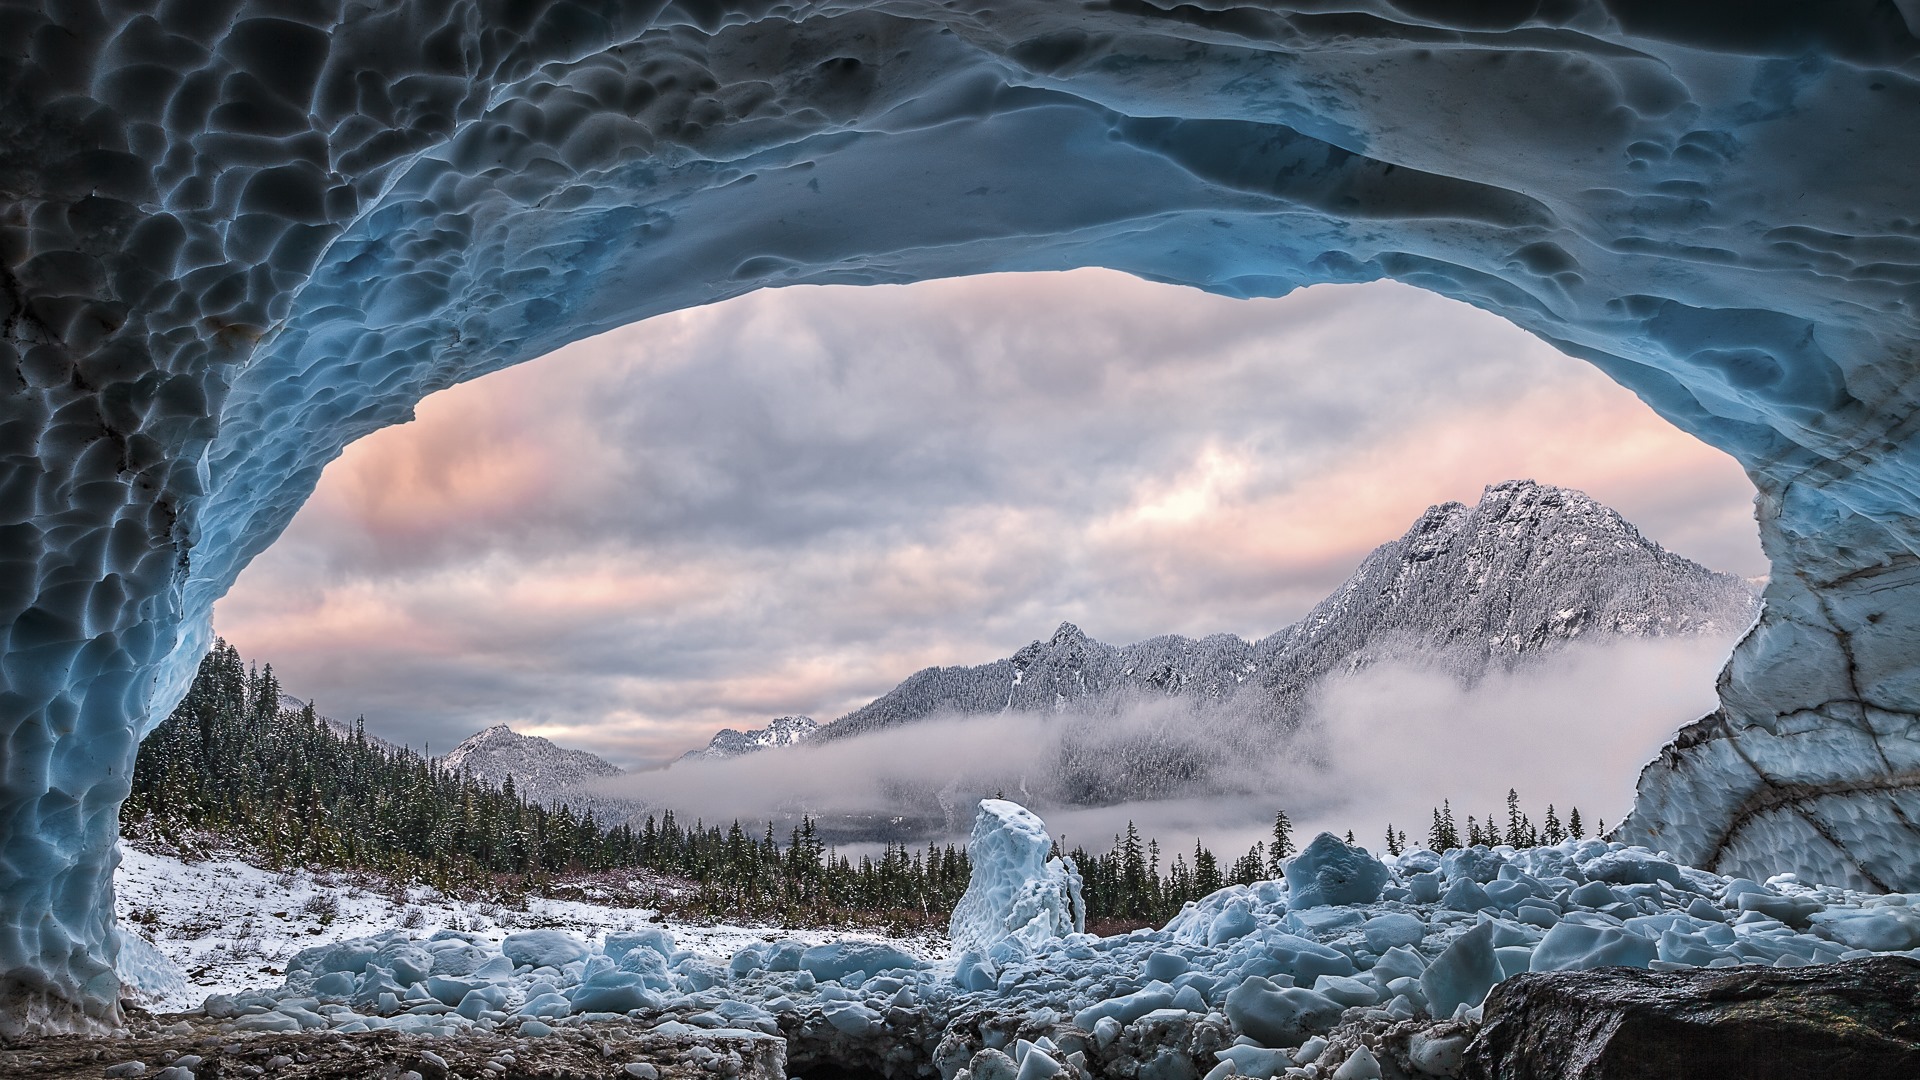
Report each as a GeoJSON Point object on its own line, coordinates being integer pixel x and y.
{"type": "Point", "coordinates": [239, 234]}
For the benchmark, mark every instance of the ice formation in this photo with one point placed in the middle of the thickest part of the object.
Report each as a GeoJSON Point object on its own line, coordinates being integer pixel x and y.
{"type": "Point", "coordinates": [1250, 974]}
{"type": "Point", "coordinates": [1020, 897]}
{"type": "Point", "coordinates": [238, 236]}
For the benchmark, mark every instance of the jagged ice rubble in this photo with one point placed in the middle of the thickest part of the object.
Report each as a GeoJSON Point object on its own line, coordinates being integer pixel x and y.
{"type": "Point", "coordinates": [1347, 968]}
{"type": "Point", "coordinates": [237, 236]}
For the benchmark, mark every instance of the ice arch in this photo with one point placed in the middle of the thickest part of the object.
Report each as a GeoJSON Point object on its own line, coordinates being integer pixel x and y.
{"type": "Point", "coordinates": [238, 234]}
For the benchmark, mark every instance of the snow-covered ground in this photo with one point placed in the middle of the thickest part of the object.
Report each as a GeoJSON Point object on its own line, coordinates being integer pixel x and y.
{"type": "Point", "coordinates": [232, 927]}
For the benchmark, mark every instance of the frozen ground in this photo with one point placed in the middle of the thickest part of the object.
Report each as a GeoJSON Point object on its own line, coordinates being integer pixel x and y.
{"type": "Point", "coordinates": [231, 927]}
{"type": "Point", "coordinates": [1350, 967]}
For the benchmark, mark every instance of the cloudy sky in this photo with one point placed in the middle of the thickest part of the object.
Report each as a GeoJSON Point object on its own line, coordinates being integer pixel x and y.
{"type": "Point", "coordinates": [789, 502]}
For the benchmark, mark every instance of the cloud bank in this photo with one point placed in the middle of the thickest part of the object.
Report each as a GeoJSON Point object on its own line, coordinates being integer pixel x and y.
{"type": "Point", "coordinates": [788, 502]}
{"type": "Point", "coordinates": [1386, 744]}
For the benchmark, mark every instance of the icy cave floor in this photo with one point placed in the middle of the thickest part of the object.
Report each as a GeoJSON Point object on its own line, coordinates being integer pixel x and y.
{"type": "Point", "coordinates": [1352, 968]}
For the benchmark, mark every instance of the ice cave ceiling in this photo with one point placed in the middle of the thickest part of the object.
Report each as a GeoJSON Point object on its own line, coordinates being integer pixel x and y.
{"type": "Point", "coordinates": [238, 234]}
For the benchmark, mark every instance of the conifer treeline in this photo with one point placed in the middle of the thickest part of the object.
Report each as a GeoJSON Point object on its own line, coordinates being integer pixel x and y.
{"type": "Point", "coordinates": [283, 786]}
{"type": "Point", "coordinates": [1520, 831]}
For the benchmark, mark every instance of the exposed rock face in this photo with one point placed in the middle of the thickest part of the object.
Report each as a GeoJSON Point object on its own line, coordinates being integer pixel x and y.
{"type": "Point", "coordinates": [1528, 569]}
{"type": "Point", "coordinates": [729, 743]}
{"type": "Point", "coordinates": [1859, 1019]}
{"type": "Point", "coordinates": [236, 238]}
{"type": "Point", "coordinates": [540, 770]}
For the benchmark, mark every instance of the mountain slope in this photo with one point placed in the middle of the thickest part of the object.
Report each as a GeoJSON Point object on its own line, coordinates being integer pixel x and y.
{"type": "Point", "coordinates": [729, 742]}
{"type": "Point", "coordinates": [1527, 570]}
{"type": "Point", "coordinates": [539, 768]}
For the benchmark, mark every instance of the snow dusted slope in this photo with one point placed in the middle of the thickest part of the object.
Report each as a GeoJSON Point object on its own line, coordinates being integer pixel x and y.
{"type": "Point", "coordinates": [1528, 569]}
{"type": "Point", "coordinates": [540, 770]}
{"type": "Point", "coordinates": [782, 731]}
{"type": "Point", "coordinates": [238, 237]}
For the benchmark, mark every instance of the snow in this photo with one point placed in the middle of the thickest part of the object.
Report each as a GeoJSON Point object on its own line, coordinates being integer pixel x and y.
{"type": "Point", "coordinates": [230, 927]}
{"type": "Point", "coordinates": [233, 259]}
{"type": "Point", "coordinates": [1262, 980]}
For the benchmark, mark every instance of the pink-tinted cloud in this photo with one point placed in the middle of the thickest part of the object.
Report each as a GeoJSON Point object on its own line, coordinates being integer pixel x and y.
{"type": "Point", "coordinates": [791, 501]}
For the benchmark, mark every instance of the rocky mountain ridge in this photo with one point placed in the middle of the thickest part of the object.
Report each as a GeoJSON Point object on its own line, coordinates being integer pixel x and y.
{"type": "Point", "coordinates": [731, 742]}
{"type": "Point", "coordinates": [540, 769]}
{"type": "Point", "coordinates": [1527, 570]}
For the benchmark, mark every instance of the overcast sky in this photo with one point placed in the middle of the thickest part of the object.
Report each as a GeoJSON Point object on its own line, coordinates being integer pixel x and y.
{"type": "Point", "coordinates": [789, 502]}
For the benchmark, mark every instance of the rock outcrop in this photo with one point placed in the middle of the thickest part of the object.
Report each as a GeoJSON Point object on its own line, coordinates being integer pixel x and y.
{"type": "Point", "coordinates": [236, 237]}
{"type": "Point", "coordinates": [1858, 1018]}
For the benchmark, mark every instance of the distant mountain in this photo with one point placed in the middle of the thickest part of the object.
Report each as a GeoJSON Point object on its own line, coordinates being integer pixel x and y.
{"type": "Point", "coordinates": [540, 770]}
{"type": "Point", "coordinates": [729, 743]}
{"type": "Point", "coordinates": [1529, 569]}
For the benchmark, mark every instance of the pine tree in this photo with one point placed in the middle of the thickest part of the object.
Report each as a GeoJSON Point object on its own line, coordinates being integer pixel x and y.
{"type": "Point", "coordinates": [1282, 847]}
{"type": "Point", "coordinates": [1574, 828]}
{"type": "Point", "coordinates": [1516, 834]}
{"type": "Point", "coordinates": [1553, 833]}
{"type": "Point", "coordinates": [1206, 871]}
{"type": "Point", "coordinates": [1393, 842]}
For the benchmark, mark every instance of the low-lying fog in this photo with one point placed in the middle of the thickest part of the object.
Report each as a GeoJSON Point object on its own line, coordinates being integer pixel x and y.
{"type": "Point", "coordinates": [1384, 745]}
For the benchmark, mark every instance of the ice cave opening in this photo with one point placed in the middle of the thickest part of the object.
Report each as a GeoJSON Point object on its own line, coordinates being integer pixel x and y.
{"type": "Point", "coordinates": [239, 236]}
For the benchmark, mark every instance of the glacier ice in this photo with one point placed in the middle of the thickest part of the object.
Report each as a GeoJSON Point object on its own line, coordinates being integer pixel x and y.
{"type": "Point", "coordinates": [1290, 986]}
{"type": "Point", "coordinates": [1330, 872]}
{"type": "Point", "coordinates": [1021, 897]}
{"type": "Point", "coordinates": [237, 237]}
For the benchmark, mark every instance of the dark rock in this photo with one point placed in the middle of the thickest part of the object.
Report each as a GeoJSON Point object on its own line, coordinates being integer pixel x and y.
{"type": "Point", "coordinates": [1859, 1020]}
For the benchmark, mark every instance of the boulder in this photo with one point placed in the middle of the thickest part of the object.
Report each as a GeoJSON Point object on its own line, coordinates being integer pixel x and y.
{"type": "Point", "coordinates": [1859, 1019]}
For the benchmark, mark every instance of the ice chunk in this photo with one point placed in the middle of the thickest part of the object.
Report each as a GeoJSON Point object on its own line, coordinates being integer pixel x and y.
{"type": "Point", "coordinates": [1633, 867]}
{"type": "Point", "coordinates": [543, 948]}
{"type": "Point", "coordinates": [1466, 894]}
{"type": "Point", "coordinates": [1305, 960]}
{"type": "Point", "coordinates": [654, 938]}
{"type": "Point", "coordinates": [838, 959]}
{"type": "Point", "coordinates": [150, 978]}
{"type": "Point", "coordinates": [1462, 973]}
{"type": "Point", "coordinates": [1383, 932]}
{"type": "Point", "coordinates": [1127, 1008]}
{"type": "Point", "coordinates": [1280, 1016]}
{"type": "Point", "coordinates": [1360, 1065]}
{"type": "Point", "coordinates": [1477, 864]}
{"type": "Point", "coordinates": [1017, 899]}
{"type": "Point", "coordinates": [1571, 945]}
{"type": "Point", "coordinates": [1332, 872]}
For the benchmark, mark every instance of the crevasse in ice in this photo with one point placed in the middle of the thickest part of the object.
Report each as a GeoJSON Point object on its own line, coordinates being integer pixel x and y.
{"type": "Point", "coordinates": [238, 236]}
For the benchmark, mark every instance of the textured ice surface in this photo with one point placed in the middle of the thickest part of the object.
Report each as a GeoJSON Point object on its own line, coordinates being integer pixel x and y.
{"type": "Point", "coordinates": [1020, 897]}
{"type": "Point", "coordinates": [1330, 872]}
{"type": "Point", "coordinates": [1243, 975]}
{"type": "Point", "coordinates": [238, 236]}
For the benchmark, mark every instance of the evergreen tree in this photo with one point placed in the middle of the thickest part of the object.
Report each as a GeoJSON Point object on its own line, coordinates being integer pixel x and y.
{"type": "Point", "coordinates": [1393, 842]}
{"type": "Point", "coordinates": [1206, 871]}
{"type": "Point", "coordinates": [1282, 847]}
{"type": "Point", "coordinates": [1552, 832]}
{"type": "Point", "coordinates": [1574, 828]}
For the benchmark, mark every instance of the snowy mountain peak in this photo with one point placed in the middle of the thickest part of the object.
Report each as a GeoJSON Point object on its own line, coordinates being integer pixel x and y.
{"type": "Point", "coordinates": [537, 766]}
{"type": "Point", "coordinates": [1528, 569]}
{"type": "Point", "coordinates": [782, 731]}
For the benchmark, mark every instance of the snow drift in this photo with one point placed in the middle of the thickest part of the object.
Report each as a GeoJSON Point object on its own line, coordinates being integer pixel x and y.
{"type": "Point", "coordinates": [237, 238]}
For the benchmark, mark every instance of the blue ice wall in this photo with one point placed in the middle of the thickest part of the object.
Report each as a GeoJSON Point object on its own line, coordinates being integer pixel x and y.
{"type": "Point", "coordinates": [238, 234]}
